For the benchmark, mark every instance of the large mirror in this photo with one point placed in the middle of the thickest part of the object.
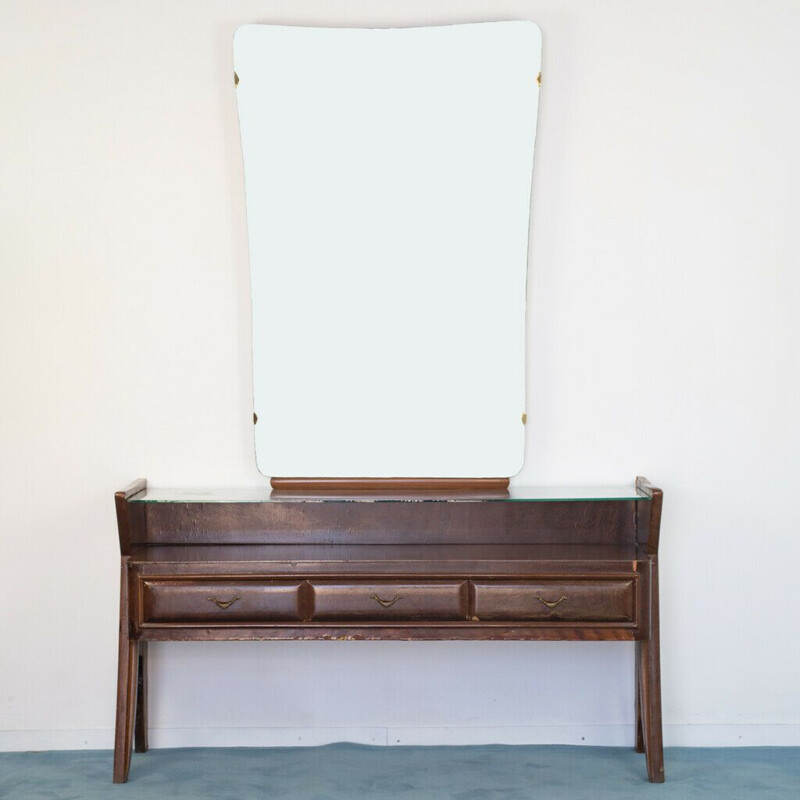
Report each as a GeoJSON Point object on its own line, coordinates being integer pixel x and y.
{"type": "Point", "coordinates": [388, 181]}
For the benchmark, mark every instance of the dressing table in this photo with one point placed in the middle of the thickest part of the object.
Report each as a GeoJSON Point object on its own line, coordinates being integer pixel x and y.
{"type": "Point", "coordinates": [528, 564]}
{"type": "Point", "coordinates": [388, 181]}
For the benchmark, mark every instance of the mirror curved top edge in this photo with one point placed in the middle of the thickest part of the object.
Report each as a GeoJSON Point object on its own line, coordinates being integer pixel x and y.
{"type": "Point", "coordinates": [388, 179]}
{"type": "Point", "coordinates": [520, 24]}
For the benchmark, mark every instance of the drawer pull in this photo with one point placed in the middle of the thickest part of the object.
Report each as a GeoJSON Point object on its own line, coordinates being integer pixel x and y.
{"type": "Point", "coordinates": [387, 603]}
{"type": "Point", "coordinates": [550, 604]}
{"type": "Point", "coordinates": [223, 603]}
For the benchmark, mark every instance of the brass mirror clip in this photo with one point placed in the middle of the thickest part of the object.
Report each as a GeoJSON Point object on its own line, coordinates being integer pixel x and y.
{"type": "Point", "coordinates": [387, 603]}
{"type": "Point", "coordinates": [224, 603]}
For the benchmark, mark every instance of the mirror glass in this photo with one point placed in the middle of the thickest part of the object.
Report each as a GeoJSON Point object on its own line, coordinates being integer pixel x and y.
{"type": "Point", "coordinates": [388, 180]}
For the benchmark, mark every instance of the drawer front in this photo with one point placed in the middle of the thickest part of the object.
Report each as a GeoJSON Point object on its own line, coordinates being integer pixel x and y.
{"type": "Point", "coordinates": [400, 601]}
{"type": "Point", "coordinates": [182, 601]}
{"type": "Point", "coordinates": [573, 601]}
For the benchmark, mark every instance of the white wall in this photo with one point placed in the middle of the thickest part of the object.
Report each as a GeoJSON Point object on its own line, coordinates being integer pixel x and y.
{"type": "Point", "coordinates": [663, 336]}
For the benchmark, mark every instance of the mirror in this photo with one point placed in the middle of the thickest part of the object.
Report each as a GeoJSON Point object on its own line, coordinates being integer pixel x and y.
{"type": "Point", "coordinates": [388, 180]}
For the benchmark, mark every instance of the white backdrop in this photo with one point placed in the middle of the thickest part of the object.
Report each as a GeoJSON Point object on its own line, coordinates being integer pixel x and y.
{"type": "Point", "coordinates": [663, 331]}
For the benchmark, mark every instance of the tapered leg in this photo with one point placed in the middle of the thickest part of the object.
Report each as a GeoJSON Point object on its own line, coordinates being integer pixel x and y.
{"type": "Point", "coordinates": [650, 680]}
{"type": "Point", "coordinates": [126, 687]}
{"type": "Point", "coordinates": [638, 693]}
{"type": "Point", "coordinates": [140, 726]}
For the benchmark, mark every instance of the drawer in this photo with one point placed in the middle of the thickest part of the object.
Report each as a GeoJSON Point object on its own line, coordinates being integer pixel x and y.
{"type": "Point", "coordinates": [216, 601]}
{"type": "Point", "coordinates": [578, 601]}
{"type": "Point", "coordinates": [400, 601]}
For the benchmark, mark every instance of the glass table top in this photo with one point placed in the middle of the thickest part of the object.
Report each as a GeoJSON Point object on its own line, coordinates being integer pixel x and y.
{"type": "Point", "coordinates": [260, 494]}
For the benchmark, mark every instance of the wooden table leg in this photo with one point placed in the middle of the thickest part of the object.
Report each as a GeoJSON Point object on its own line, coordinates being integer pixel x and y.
{"type": "Point", "coordinates": [650, 676]}
{"type": "Point", "coordinates": [639, 730]}
{"type": "Point", "coordinates": [140, 725]}
{"type": "Point", "coordinates": [126, 686]}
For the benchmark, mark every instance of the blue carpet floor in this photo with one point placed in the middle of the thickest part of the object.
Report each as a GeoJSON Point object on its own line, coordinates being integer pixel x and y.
{"type": "Point", "coordinates": [353, 772]}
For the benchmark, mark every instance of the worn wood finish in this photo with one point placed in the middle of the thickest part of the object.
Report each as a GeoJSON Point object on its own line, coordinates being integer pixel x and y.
{"type": "Point", "coordinates": [203, 600]}
{"type": "Point", "coordinates": [447, 559]}
{"type": "Point", "coordinates": [648, 651]}
{"type": "Point", "coordinates": [385, 601]}
{"type": "Point", "coordinates": [125, 512]}
{"type": "Point", "coordinates": [386, 522]}
{"type": "Point", "coordinates": [197, 601]}
{"type": "Point", "coordinates": [405, 632]}
{"type": "Point", "coordinates": [140, 724]}
{"type": "Point", "coordinates": [650, 689]}
{"type": "Point", "coordinates": [648, 516]}
{"type": "Point", "coordinates": [639, 746]}
{"type": "Point", "coordinates": [555, 600]}
{"type": "Point", "coordinates": [126, 681]}
{"type": "Point", "coordinates": [425, 568]}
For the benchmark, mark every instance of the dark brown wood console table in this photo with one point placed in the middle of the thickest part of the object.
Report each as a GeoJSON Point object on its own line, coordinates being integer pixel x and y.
{"type": "Point", "coordinates": [532, 564]}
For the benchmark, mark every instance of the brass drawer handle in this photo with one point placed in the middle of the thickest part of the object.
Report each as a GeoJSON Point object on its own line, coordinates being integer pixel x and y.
{"type": "Point", "coordinates": [387, 603]}
{"type": "Point", "coordinates": [551, 604]}
{"type": "Point", "coordinates": [224, 603]}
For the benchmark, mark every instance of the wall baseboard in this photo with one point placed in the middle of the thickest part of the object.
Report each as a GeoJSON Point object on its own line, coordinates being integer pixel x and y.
{"type": "Point", "coordinates": [756, 735]}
